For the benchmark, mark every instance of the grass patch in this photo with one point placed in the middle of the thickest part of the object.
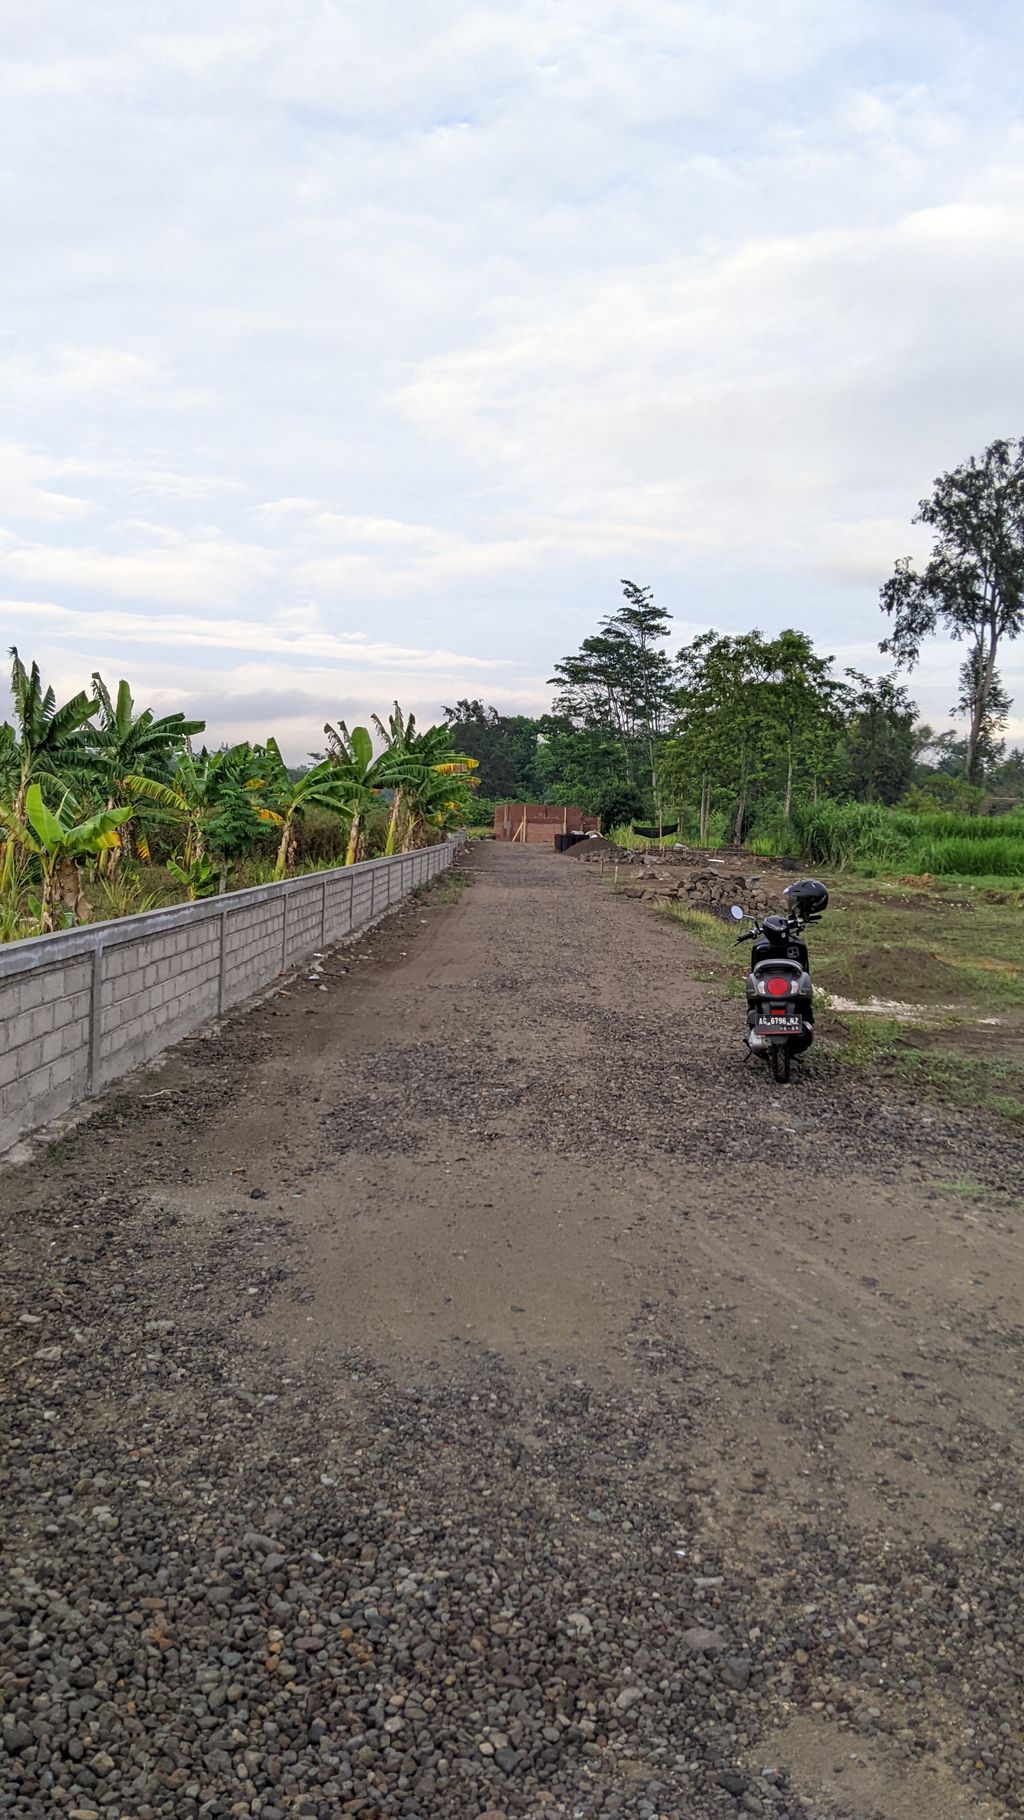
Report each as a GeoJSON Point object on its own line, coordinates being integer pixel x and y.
{"type": "Point", "coordinates": [709, 929]}
{"type": "Point", "coordinates": [718, 941]}
{"type": "Point", "coordinates": [984, 1083]}
{"type": "Point", "coordinates": [846, 836]}
{"type": "Point", "coordinates": [967, 1189]}
{"type": "Point", "coordinates": [446, 887]}
{"type": "Point", "coordinates": [936, 945]}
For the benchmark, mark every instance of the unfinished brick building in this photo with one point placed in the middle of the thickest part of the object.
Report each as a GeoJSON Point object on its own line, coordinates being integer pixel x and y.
{"type": "Point", "coordinates": [537, 823]}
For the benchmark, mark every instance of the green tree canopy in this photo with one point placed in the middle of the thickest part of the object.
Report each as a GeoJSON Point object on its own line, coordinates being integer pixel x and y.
{"type": "Point", "coordinates": [973, 583]}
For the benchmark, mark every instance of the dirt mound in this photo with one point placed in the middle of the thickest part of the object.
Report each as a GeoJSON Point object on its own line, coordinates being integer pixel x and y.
{"type": "Point", "coordinates": [908, 975]}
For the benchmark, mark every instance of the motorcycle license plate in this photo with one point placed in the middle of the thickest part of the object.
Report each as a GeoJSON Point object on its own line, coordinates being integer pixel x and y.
{"type": "Point", "coordinates": [781, 1026]}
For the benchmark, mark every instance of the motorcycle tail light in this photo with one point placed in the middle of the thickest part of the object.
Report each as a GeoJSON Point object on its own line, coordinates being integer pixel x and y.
{"type": "Point", "coordinates": [777, 986]}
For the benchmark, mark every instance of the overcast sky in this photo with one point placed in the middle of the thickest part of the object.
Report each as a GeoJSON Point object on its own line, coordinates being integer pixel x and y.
{"type": "Point", "coordinates": [350, 352]}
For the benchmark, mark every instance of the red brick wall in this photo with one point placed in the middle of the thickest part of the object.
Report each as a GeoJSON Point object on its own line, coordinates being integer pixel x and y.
{"type": "Point", "coordinates": [543, 822]}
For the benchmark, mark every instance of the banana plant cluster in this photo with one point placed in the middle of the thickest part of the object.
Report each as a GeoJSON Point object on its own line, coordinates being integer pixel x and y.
{"type": "Point", "coordinates": [85, 784]}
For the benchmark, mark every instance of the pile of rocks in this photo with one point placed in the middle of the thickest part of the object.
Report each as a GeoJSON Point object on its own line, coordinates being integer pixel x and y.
{"type": "Point", "coordinates": [710, 889]}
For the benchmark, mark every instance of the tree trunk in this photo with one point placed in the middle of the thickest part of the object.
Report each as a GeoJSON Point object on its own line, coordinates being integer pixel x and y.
{"type": "Point", "coordinates": [281, 864]}
{"type": "Point", "coordinates": [48, 904]}
{"type": "Point", "coordinates": [655, 792]}
{"type": "Point", "coordinates": [980, 703]}
{"type": "Point", "coordinates": [741, 806]}
{"type": "Point", "coordinates": [353, 839]}
{"type": "Point", "coordinates": [789, 780]}
{"type": "Point", "coordinates": [705, 806]}
{"type": "Point", "coordinates": [389, 844]}
{"type": "Point", "coordinates": [111, 857]}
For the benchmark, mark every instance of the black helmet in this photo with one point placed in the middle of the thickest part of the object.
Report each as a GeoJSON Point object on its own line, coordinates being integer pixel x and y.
{"type": "Point", "coordinates": [808, 897]}
{"type": "Point", "coordinates": [776, 930]}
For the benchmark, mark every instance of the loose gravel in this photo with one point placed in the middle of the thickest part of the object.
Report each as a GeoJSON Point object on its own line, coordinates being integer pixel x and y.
{"type": "Point", "coordinates": [260, 1567]}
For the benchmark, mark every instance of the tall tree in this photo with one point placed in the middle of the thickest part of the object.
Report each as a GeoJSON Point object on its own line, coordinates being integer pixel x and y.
{"type": "Point", "coordinates": [622, 680]}
{"type": "Point", "coordinates": [880, 739]}
{"type": "Point", "coordinates": [973, 584]}
{"type": "Point", "coordinates": [988, 721]}
{"type": "Point", "coordinates": [504, 746]}
{"type": "Point", "coordinates": [583, 766]}
{"type": "Point", "coordinates": [722, 735]}
{"type": "Point", "coordinates": [804, 705]}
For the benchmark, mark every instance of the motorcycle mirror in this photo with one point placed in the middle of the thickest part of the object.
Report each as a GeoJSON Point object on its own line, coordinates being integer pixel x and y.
{"type": "Point", "coordinates": [736, 913]}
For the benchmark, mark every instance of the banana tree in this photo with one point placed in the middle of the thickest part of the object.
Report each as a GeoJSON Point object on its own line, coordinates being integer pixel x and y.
{"type": "Point", "coordinates": [413, 762]}
{"type": "Point", "coordinates": [130, 744]}
{"type": "Point", "coordinates": [214, 798]}
{"type": "Point", "coordinates": [46, 741]}
{"type": "Point", "coordinates": [57, 841]}
{"type": "Point", "coordinates": [351, 754]}
{"type": "Point", "coordinates": [324, 787]}
{"type": "Point", "coordinates": [440, 797]}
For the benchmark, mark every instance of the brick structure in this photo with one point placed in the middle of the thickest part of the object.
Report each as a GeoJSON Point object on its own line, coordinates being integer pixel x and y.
{"type": "Point", "coordinates": [80, 1008]}
{"type": "Point", "coordinates": [538, 823]}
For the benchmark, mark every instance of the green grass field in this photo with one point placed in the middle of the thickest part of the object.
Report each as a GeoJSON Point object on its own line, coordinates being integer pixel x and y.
{"type": "Point", "coordinates": [940, 960]}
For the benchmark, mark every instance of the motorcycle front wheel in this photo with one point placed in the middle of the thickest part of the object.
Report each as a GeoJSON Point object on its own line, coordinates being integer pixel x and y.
{"type": "Point", "coordinates": [780, 1061]}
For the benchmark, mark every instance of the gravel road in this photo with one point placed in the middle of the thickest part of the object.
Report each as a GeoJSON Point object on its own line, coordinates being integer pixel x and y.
{"type": "Point", "coordinates": [464, 1386]}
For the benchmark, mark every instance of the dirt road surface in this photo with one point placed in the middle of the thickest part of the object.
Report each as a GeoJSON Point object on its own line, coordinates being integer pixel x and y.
{"type": "Point", "coordinates": [463, 1385]}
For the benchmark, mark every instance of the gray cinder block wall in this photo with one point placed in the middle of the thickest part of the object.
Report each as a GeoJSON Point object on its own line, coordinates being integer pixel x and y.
{"type": "Point", "coordinates": [81, 1008]}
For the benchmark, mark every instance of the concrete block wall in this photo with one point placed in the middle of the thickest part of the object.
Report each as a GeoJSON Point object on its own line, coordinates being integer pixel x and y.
{"type": "Point", "coordinates": [81, 1008]}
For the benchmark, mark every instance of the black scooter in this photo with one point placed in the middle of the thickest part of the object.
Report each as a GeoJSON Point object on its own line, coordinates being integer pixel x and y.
{"type": "Point", "coordinates": [780, 998]}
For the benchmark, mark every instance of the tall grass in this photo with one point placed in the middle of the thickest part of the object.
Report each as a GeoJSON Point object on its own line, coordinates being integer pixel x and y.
{"type": "Point", "coordinates": [842, 835]}
{"type": "Point", "coordinates": [980, 858]}
{"type": "Point", "coordinates": [638, 843]}
{"type": "Point", "coordinates": [718, 832]}
{"type": "Point", "coordinates": [846, 835]}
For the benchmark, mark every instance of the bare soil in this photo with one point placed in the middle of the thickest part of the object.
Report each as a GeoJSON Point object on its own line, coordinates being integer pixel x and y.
{"type": "Point", "coordinates": [496, 1268]}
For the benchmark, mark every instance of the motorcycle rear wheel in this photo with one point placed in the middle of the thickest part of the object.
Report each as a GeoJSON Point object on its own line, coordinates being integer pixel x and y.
{"type": "Point", "coordinates": [780, 1062]}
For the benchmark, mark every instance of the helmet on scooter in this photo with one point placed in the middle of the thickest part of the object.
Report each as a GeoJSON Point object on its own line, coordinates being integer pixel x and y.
{"type": "Point", "coordinates": [776, 930]}
{"type": "Point", "coordinates": [808, 897]}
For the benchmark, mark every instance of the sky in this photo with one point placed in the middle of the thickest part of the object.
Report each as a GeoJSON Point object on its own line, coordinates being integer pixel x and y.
{"type": "Point", "coordinates": [355, 353]}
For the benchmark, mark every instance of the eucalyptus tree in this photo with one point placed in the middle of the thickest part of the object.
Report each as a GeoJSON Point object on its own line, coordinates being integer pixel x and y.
{"type": "Point", "coordinates": [623, 681]}
{"type": "Point", "coordinates": [973, 583]}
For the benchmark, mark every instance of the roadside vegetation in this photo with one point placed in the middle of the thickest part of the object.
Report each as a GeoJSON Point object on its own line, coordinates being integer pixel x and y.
{"type": "Point", "coordinates": [107, 808]}
{"type": "Point", "coordinates": [917, 982]}
{"type": "Point", "coordinates": [756, 739]}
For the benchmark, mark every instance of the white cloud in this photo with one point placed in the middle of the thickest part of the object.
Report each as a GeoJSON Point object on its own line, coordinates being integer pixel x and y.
{"type": "Point", "coordinates": [297, 635]}
{"type": "Point", "coordinates": [431, 323]}
{"type": "Point", "coordinates": [209, 572]}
